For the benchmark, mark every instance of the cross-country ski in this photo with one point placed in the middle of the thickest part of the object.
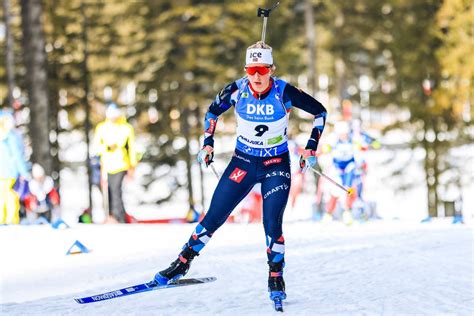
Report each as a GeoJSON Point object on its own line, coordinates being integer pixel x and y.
{"type": "Point", "coordinates": [140, 288]}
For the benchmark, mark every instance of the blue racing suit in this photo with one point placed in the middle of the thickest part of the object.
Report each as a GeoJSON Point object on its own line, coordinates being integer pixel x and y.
{"type": "Point", "coordinates": [261, 156]}
{"type": "Point", "coordinates": [344, 160]}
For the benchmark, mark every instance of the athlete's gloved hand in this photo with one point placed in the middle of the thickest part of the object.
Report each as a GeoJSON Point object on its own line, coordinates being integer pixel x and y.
{"type": "Point", "coordinates": [307, 159]}
{"type": "Point", "coordinates": [205, 155]}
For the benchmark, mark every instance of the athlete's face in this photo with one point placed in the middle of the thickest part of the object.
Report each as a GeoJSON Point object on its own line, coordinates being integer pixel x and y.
{"type": "Point", "coordinates": [259, 76]}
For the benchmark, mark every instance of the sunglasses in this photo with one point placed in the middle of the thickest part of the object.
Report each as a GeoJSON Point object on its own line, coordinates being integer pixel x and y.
{"type": "Point", "coordinates": [262, 70]}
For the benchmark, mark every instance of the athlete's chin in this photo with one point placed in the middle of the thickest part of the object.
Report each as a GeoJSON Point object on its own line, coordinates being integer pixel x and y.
{"type": "Point", "coordinates": [257, 85]}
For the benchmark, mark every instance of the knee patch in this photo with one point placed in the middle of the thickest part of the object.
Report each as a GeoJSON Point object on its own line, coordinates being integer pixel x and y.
{"type": "Point", "coordinates": [275, 249]}
{"type": "Point", "coordinates": [199, 238]}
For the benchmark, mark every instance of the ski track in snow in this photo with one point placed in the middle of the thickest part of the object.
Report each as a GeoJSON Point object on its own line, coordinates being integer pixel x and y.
{"type": "Point", "coordinates": [375, 268]}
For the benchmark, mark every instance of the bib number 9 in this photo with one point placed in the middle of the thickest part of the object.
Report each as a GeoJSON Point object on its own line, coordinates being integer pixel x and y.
{"type": "Point", "coordinates": [261, 129]}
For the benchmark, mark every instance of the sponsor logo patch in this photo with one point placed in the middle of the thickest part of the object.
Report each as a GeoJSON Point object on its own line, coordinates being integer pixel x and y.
{"type": "Point", "coordinates": [260, 109]}
{"type": "Point", "coordinates": [271, 161]}
{"type": "Point", "coordinates": [237, 175]}
{"type": "Point", "coordinates": [275, 140]}
{"type": "Point", "coordinates": [241, 158]}
{"type": "Point", "coordinates": [251, 141]}
{"type": "Point", "coordinates": [212, 126]}
{"type": "Point", "coordinates": [255, 54]}
{"type": "Point", "coordinates": [278, 174]}
{"type": "Point", "coordinates": [284, 186]}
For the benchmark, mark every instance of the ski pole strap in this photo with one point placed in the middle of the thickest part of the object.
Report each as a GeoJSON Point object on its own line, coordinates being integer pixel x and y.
{"type": "Point", "coordinates": [347, 190]}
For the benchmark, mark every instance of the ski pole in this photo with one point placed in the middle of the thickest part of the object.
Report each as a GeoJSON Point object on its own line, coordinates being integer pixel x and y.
{"type": "Point", "coordinates": [266, 14]}
{"type": "Point", "coordinates": [215, 172]}
{"type": "Point", "coordinates": [347, 190]}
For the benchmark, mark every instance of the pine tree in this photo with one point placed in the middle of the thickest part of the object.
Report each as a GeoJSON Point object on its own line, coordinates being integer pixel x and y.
{"type": "Point", "coordinates": [36, 79]}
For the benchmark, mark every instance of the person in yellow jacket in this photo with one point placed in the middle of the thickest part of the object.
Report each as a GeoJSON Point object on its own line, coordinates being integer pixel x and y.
{"type": "Point", "coordinates": [115, 143]}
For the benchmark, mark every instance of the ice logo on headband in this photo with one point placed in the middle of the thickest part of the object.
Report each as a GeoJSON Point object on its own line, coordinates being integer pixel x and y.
{"type": "Point", "coordinates": [259, 56]}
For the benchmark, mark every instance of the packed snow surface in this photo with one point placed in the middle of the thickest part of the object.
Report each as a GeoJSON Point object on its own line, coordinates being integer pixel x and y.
{"type": "Point", "coordinates": [374, 268]}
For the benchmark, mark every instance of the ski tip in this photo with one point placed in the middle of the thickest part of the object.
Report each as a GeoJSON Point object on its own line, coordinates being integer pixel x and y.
{"type": "Point", "coordinates": [207, 279]}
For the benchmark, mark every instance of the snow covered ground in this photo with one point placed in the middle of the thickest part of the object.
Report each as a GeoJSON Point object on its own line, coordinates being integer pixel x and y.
{"type": "Point", "coordinates": [376, 268]}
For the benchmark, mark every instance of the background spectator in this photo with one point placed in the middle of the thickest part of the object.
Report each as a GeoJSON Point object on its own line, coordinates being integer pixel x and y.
{"type": "Point", "coordinates": [115, 141]}
{"type": "Point", "coordinates": [43, 199]}
{"type": "Point", "coordinates": [12, 166]}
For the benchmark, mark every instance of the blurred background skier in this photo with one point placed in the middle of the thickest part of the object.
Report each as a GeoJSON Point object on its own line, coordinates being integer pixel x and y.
{"type": "Point", "coordinates": [348, 159]}
{"type": "Point", "coordinates": [362, 142]}
{"type": "Point", "coordinates": [262, 104]}
{"type": "Point", "coordinates": [343, 158]}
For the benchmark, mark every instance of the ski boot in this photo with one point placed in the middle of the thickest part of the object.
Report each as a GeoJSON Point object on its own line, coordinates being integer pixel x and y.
{"type": "Point", "coordinates": [457, 219]}
{"type": "Point", "coordinates": [347, 217]}
{"type": "Point", "coordinates": [276, 284]}
{"type": "Point", "coordinates": [178, 268]}
{"type": "Point", "coordinates": [327, 218]}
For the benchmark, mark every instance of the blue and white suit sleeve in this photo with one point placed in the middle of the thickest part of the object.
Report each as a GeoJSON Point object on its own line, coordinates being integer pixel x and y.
{"type": "Point", "coordinates": [295, 97]}
{"type": "Point", "coordinates": [223, 101]}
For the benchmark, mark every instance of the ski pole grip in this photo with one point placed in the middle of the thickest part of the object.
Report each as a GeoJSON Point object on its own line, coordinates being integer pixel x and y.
{"type": "Point", "coordinates": [264, 12]}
